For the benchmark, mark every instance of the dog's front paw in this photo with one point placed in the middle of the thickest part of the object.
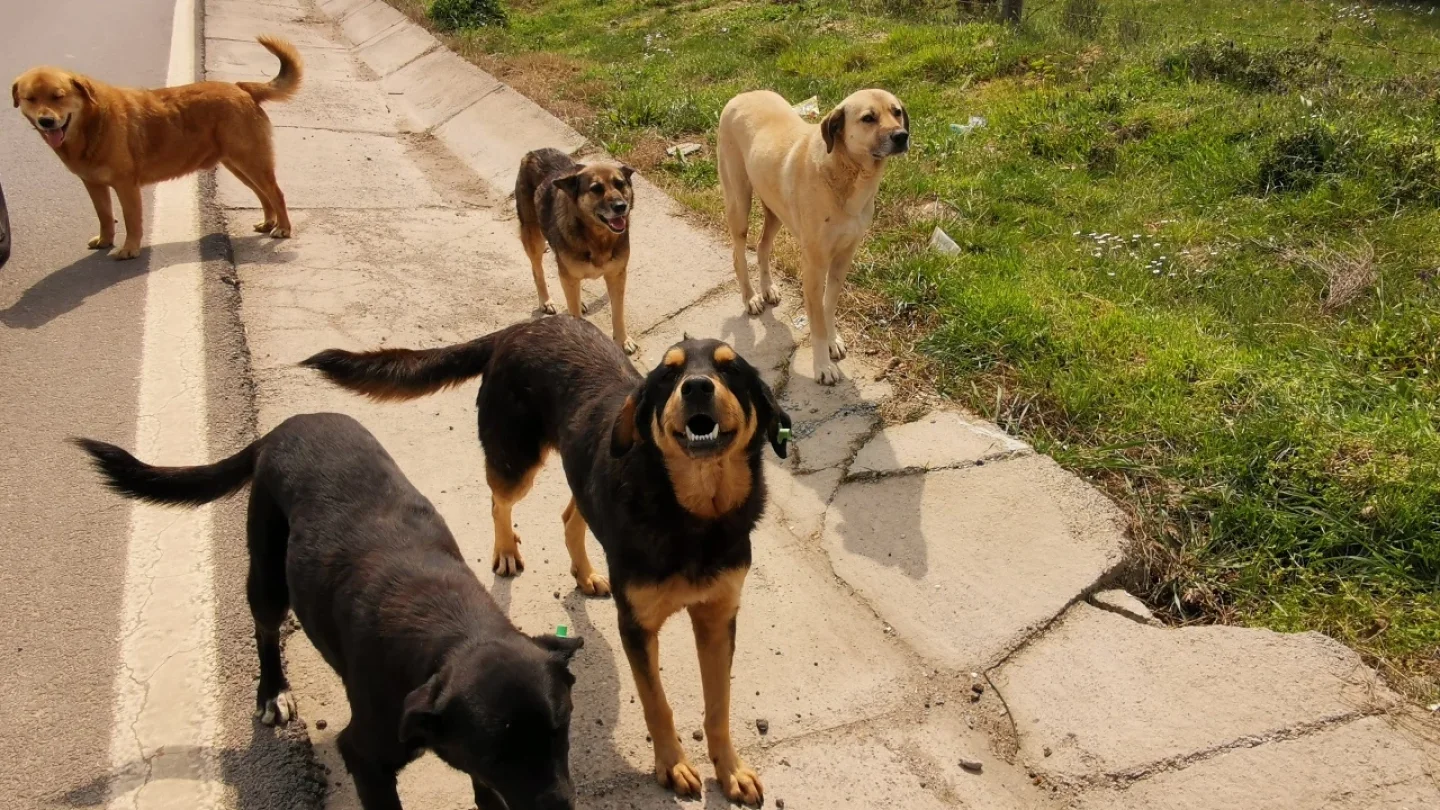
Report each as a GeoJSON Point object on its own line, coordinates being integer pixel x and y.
{"type": "Point", "coordinates": [756, 304]}
{"type": "Point", "coordinates": [592, 584]}
{"type": "Point", "coordinates": [827, 373]}
{"type": "Point", "coordinates": [837, 348]}
{"type": "Point", "coordinates": [772, 295]}
{"type": "Point", "coordinates": [680, 777]}
{"type": "Point", "coordinates": [280, 233]}
{"type": "Point", "coordinates": [264, 227]}
{"type": "Point", "coordinates": [508, 563]}
{"type": "Point", "coordinates": [126, 251]}
{"type": "Point", "coordinates": [629, 345]}
{"type": "Point", "coordinates": [278, 710]}
{"type": "Point", "coordinates": [101, 242]}
{"type": "Point", "coordinates": [741, 784]}
{"type": "Point", "coordinates": [548, 307]}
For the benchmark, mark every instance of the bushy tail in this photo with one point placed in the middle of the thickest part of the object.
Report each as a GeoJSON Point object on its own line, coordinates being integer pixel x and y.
{"type": "Point", "coordinates": [286, 82]}
{"type": "Point", "coordinates": [187, 486]}
{"type": "Point", "coordinates": [396, 374]}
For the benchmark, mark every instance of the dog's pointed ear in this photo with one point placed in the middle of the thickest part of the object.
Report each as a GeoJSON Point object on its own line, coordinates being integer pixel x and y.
{"type": "Point", "coordinates": [562, 648]}
{"type": "Point", "coordinates": [15, 93]}
{"type": "Point", "coordinates": [771, 416]}
{"type": "Point", "coordinates": [626, 430]}
{"type": "Point", "coordinates": [570, 183]}
{"type": "Point", "coordinates": [420, 714]}
{"type": "Point", "coordinates": [627, 170]}
{"type": "Point", "coordinates": [84, 87]}
{"type": "Point", "coordinates": [832, 127]}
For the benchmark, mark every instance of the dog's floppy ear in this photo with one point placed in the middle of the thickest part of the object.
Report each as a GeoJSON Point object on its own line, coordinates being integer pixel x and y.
{"type": "Point", "coordinates": [570, 183]}
{"type": "Point", "coordinates": [627, 170]}
{"type": "Point", "coordinates": [626, 430]}
{"type": "Point", "coordinates": [905, 118]}
{"type": "Point", "coordinates": [832, 127]}
{"type": "Point", "coordinates": [15, 93]}
{"type": "Point", "coordinates": [770, 415]}
{"type": "Point", "coordinates": [563, 648]}
{"type": "Point", "coordinates": [84, 87]}
{"type": "Point", "coordinates": [420, 715]}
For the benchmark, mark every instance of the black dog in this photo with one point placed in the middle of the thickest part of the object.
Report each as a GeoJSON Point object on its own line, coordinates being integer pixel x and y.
{"type": "Point", "coordinates": [379, 585]}
{"type": "Point", "coordinates": [4, 230]}
{"type": "Point", "coordinates": [665, 469]}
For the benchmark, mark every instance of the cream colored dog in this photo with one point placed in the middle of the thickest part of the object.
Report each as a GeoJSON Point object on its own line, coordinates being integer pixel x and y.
{"type": "Point", "coordinates": [820, 182]}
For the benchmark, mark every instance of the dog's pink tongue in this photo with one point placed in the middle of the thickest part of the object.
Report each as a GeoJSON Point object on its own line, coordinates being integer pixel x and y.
{"type": "Point", "coordinates": [54, 137]}
{"type": "Point", "coordinates": [619, 223]}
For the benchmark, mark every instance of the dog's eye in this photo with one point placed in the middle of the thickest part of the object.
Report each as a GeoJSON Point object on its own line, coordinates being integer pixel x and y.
{"type": "Point", "coordinates": [898, 112]}
{"type": "Point", "coordinates": [868, 118]}
{"type": "Point", "coordinates": [597, 189]}
{"type": "Point", "coordinates": [619, 184]}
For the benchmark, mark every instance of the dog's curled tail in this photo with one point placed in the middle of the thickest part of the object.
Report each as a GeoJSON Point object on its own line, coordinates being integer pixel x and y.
{"type": "Point", "coordinates": [397, 374]}
{"type": "Point", "coordinates": [184, 486]}
{"type": "Point", "coordinates": [286, 82]}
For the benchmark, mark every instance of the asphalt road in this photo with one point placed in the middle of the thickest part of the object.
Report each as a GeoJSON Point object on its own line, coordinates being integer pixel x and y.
{"type": "Point", "coordinates": [70, 334]}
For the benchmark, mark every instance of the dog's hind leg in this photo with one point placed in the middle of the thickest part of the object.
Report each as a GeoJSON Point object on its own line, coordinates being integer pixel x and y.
{"type": "Point", "coordinates": [762, 255]}
{"type": "Point", "coordinates": [714, 626]}
{"type": "Point", "coordinates": [269, 595]}
{"type": "Point", "coordinates": [506, 490]}
{"type": "Point", "coordinates": [590, 583]}
{"type": "Point", "coordinates": [374, 782]}
{"type": "Point", "coordinates": [737, 191]}
{"type": "Point", "coordinates": [268, 223]}
{"type": "Point", "coordinates": [534, 241]}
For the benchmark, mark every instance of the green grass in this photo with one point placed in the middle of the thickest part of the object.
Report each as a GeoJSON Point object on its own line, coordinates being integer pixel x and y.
{"type": "Point", "coordinates": [1264, 400]}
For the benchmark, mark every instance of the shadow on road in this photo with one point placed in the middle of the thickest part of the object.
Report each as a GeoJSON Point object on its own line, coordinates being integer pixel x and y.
{"type": "Point", "coordinates": [66, 289]}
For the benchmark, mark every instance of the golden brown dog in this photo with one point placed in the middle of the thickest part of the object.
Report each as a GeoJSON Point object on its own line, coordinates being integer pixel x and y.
{"type": "Point", "coordinates": [583, 211]}
{"type": "Point", "coordinates": [125, 139]}
{"type": "Point", "coordinates": [819, 182]}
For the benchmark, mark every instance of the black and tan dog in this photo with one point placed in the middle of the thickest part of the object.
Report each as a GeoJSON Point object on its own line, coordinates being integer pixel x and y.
{"type": "Point", "coordinates": [583, 212]}
{"type": "Point", "coordinates": [427, 657]}
{"type": "Point", "coordinates": [665, 469]}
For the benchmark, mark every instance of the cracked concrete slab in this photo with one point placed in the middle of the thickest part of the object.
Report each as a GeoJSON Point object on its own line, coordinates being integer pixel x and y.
{"type": "Point", "coordinates": [1124, 603]}
{"type": "Point", "coordinates": [968, 563]}
{"type": "Point", "coordinates": [399, 47]}
{"type": "Point", "coordinates": [938, 439]}
{"type": "Point", "coordinates": [495, 132]}
{"type": "Point", "coordinates": [230, 24]}
{"type": "Point", "coordinates": [436, 86]}
{"type": "Point", "coordinates": [1109, 696]}
{"type": "Point", "coordinates": [231, 60]}
{"type": "Point", "coordinates": [1363, 765]}
{"type": "Point", "coordinates": [367, 22]}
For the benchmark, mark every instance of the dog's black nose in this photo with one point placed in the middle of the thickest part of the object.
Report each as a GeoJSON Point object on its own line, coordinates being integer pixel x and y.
{"type": "Point", "coordinates": [901, 139]}
{"type": "Point", "coordinates": [619, 207]}
{"type": "Point", "coordinates": [698, 388]}
{"type": "Point", "coordinates": [45, 121]}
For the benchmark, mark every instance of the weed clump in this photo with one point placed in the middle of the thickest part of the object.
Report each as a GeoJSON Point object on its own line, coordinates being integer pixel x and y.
{"type": "Point", "coordinates": [457, 15]}
{"type": "Point", "coordinates": [1297, 160]}
{"type": "Point", "coordinates": [1256, 70]}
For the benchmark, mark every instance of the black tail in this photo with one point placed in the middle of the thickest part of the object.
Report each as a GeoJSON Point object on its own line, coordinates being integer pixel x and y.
{"type": "Point", "coordinates": [395, 374]}
{"type": "Point", "coordinates": [187, 486]}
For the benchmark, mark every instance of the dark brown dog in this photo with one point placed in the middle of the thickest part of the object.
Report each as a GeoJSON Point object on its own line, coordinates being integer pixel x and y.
{"type": "Point", "coordinates": [427, 658]}
{"type": "Point", "coordinates": [583, 212]}
{"type": "Point", "coordinates": [665, 469]}
{"type": "Point", "coordinates": [125, 139]}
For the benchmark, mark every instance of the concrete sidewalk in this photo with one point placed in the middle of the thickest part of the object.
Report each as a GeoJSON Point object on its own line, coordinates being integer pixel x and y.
{"type": "Point", "coordinates": [923, 595]}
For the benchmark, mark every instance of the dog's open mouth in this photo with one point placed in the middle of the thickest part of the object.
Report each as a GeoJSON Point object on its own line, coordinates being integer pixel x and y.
{"type": "Point", "coordinates": [56, 135]}
{"type": "Point", "coordinates": [617, 224]}
{"type": "Point", "coordinates": [702, 435]}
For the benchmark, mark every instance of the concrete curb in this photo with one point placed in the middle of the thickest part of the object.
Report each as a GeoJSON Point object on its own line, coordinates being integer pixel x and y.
{"type": "Point", "coordinates": [464, 107]}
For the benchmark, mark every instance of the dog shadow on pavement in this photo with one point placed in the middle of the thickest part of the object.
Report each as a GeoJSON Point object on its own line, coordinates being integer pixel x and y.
{"type": "Point", "coordinates": [257, 772]}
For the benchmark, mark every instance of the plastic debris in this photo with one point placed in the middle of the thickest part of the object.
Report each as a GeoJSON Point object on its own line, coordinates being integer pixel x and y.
{"type": "Point", "coordinates": [683, 150]}
{"type": "Point", "coordinates": [941, 241]}
{"type": "Point", "coordinates": [976, 122]}
{"type": "Point", "coordinates": [809, 107]}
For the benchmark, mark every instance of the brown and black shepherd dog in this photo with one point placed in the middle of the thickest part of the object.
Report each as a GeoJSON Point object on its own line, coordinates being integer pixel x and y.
{"type": "Point", "coordinates": [126, 139]}
{"type": "Point", "coordinates": [583, 211]}
{"type": "Point", "coordinates": [665, 469]}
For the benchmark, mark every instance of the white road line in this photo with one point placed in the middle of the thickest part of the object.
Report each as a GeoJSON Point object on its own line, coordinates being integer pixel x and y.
{"type": "Point", "coordinates": [162, 742]}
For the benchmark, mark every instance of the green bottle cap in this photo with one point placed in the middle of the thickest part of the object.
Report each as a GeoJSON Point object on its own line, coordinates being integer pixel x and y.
{"type": "Point", "coordinates": [561, 631]}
